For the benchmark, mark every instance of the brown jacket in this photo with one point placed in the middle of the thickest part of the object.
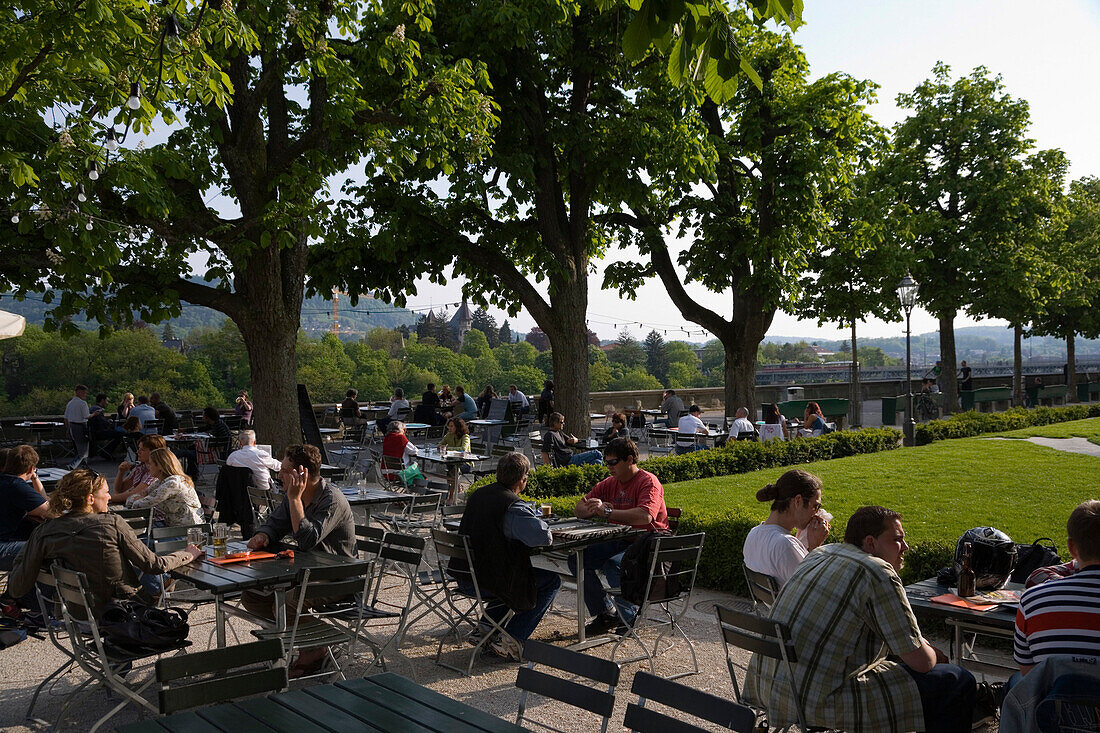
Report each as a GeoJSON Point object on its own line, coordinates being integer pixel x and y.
{"type": "Point", "coordinates": [102, 546]}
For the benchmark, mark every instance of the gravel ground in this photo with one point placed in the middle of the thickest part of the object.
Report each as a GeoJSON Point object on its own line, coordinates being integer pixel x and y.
{"type": "Point", "coordinates": [490, 688]}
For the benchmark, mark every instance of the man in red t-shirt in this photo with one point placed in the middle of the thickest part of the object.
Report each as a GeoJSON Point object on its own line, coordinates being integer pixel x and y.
{"type": "Point", "coordinates": [629, 496]}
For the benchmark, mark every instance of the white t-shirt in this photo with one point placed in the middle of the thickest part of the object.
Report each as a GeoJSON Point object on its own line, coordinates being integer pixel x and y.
{"type": "Point", "coordinates": [742, 425]}
{"type": "Point", "coordinates": [76, 411]}
{"type": "Point", "coordinates": [520, 398]}
{"type": "Point", "coordinates": [396, 406]}
{"type": "Point", "coordinates": [688, 426]}
{"type": "Point", "coordinates": [259, 461]}
{"type": "Point", "coordinates": [774, 551]}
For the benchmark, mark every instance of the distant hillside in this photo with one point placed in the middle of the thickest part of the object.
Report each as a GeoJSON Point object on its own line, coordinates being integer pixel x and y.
{"type": "Point", "coordinates": [316, 315]}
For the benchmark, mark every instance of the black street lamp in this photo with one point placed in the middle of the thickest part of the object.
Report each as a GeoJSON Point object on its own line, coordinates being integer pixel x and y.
{"type": "Point", "coordinates": [907, 294]}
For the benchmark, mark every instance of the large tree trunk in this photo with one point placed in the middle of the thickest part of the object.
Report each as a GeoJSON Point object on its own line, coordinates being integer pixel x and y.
{"type": "Point", "coordinates": [854, 391]}
{"type": "Point", "coordinates": [1017, 367]}
{"type": "Point", "coordinates": [948, 379]}
{"type": "Point", "coordinates": [568, 334]}
{"type": "Point", "coordinates": [1071, 368]}
{"type": "Point", "coordinates": [272, 284]}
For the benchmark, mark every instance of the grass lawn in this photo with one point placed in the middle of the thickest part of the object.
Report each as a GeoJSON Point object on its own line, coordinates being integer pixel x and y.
{"type": "Point", "coordinates": [941, 489]}
{"type": "Point", "coordinates": [1074, 429]}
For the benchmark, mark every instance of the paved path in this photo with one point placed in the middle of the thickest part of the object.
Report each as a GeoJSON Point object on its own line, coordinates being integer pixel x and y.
{"type": "Point", "coordinates": [1069, 445]}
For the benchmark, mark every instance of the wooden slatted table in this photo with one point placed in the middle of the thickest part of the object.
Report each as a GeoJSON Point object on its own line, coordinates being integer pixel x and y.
{"type": "Point", "coordinates": [383, 703]}
{"type": "Point", "coordinates": [277, 574]}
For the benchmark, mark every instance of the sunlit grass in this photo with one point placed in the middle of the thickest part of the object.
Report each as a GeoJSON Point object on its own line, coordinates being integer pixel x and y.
{"type": "Point", "coordinates": [1089, 428]}
{"type": "Point", "coordinates": [942, 489]}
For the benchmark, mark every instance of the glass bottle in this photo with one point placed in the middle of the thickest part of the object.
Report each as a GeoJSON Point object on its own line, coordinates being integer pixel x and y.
{"type": "Point", "coordinates": [966, 572]}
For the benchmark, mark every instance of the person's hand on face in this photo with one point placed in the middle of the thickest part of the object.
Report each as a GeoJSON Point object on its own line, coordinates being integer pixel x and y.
{"type": "Point", "coordinates": [294, 482]}
{"type": "Point", "coordinates": [816, 531]}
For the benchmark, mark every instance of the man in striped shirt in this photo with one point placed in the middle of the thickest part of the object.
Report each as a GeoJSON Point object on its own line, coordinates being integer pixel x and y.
{"type": "Point", "coordinates": [1062, 616]}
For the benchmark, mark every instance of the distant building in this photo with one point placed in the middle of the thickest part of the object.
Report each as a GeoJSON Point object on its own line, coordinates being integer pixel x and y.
{"type": "Point", "coordinates": [820, 352]}
{"type": "Point", "coordinates": [461, 323]}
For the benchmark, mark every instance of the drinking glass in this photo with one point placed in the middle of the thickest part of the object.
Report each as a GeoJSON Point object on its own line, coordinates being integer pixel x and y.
{"type": "Point", "coordinates": [220, 539]}
{"type": "Point", "coordinates": [196, 537]}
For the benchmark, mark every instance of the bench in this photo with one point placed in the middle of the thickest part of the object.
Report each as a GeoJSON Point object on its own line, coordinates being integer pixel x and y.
{"type": "Point", "coordinates": [1088, 391]}
{"type": "Point", "coordinates": [1054, 393]}
{"type": "Point", "coordinates": [974, 399]}
{"type": "Point", "coordinates": [834, 409]}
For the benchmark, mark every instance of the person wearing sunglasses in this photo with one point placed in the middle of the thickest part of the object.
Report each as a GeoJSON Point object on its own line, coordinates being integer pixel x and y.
{"type": "Point", "coordinates": [630, 495]}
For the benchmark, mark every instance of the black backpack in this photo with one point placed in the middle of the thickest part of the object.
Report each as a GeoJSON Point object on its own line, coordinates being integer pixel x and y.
{"type": "Point", "coordinates": [135, 627]}
{"type": "Point", "coordinates": [1030, 558]}
{"type": "Point", "coordinates": [634, 571]}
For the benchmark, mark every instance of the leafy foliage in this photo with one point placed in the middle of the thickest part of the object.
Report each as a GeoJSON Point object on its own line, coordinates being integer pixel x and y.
{"type": "Point", "coordinates": [969, 424]}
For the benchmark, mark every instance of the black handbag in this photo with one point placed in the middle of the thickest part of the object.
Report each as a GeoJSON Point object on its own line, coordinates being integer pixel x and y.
{"type": "Point", "coordinates": [1030, 558]}
{"type": "Point", "coordinates": [135, 627]}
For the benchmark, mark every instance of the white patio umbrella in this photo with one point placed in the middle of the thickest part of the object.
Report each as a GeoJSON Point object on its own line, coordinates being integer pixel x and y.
{"type": "Point", "coordinates": [11, 325]}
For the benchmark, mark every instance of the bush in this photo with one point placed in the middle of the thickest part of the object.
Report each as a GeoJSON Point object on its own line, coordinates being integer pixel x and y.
{"type": "Point", "coordinates": [970, 424]}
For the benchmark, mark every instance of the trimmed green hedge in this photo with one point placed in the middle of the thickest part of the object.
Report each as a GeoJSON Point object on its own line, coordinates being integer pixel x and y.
{"type": "Point", "coordinates": [970, 424]}
{"type": "Point", "coordinates": [735, 457]}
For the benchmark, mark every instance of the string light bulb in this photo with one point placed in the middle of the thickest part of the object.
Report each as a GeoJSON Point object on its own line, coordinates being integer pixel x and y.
{"type": "Point", "coordinates": [112, 140]}
{"type": "Point", "coordinates": [93, 172]}
{"type": "Point", "coordinates": [88, 226]}
{"type": "Point", "coordinates": [134, 101]}
{"type": "Point", "coordinates": [15, 218]}
{"type": "Point", "coordinates": [172, 34]}
{"type": "Point", "coordinates": [80, 195]}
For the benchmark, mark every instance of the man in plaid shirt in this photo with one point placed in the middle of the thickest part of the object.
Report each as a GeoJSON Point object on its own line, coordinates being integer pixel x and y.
{"type": "Point", "coordinates": [862, 662]}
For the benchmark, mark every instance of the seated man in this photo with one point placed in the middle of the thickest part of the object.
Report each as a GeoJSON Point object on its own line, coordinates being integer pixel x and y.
{"type": "Point", "coordinates": [144, 411]}
{"type": "Point", "coordinates": [500, 526]}
{"type": "Point", "coordinates": [169, 422]}
{"type": "Point", "coordinates": [103, 430]}
{"type": "Point", "coordinates": [556, 444]}
{"type": "Point", "coordinates": [22, 502]}
{"type": "Point", "coordinates": [249, 456]}
{"type": "Point", "coordinates": [349, 408]}
{"type": "Point", "coordinates": [672, 406]}
{"type": "Point", "coordinates": [688, 427]}
{"type": "Point", "coordinates": [520, 404]}
{"type": "Point", "coordinates": [741, 423]}
{"type": "Point", "coordinates": [397, 404]}
{"type": "Point", "coordinates": [1062, 616]}
{"type": "Point", "coordinates": [464, 407]}
{"type": "Point", "coordinates": [631, 496]}
{"type": "Point", "coordinates": [863, 665]}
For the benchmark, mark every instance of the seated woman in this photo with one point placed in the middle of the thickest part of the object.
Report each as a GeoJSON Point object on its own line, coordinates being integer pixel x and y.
{"type": "Point", "coordinates": [88, 539]}
{"type": "Point", "coordinates": [772, 416]}
{"type": "Point", "coordinates": [813, 419]}
{"type": "Point", "coordinates": [770, 548]}
{"type": "Point", "coordinates": [556, 450]}
{"type": "Point", "coordinates": [396, 445]}
{"type": "Point", "coordinates": [484, 400]}
{"type": "Point", "coordinates": [457, 437]}
{"type": "Point", "coordinates": [617, 429]}
{"type": "Point", "coordinates": [133, 479]}
{"type": "Point", "coordinates": [171, 492]}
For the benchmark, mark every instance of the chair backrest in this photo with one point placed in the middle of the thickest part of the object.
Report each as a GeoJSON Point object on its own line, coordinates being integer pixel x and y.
{"type": "Point", "coordinates": [673, 566]}
{"type": "Point", "coordinates": [170, 539]}
{"type": "Point", "coordinates": [333, 581]}
{"type": "Point", "coordinates": [434, 434]}
{"type": "Point", "coordinates": [771, 432]}
{"type": "Point", "coordinates": [452, 513]}
{"type": "Point", "coordinates": [76, 609]}
{"type": "Point", "coordinates": [368, 540]}
{"type": "Point", "coordinates": [582, 694]}
{"type": "Point", "coordinates": [682, 699]}
{"type": "Point", "coordinates": [763, 588]}
{"type": "Point", "coordinates": [673, 518]}
{"type": "Point", "coordinates": [759, 635]}
{"type": "Point", "coordinates": [140, 520]}
{"type": "Point", "coordinates": [262, 500]}
{"type": "Point", "coordinates": [454, 557]}
{"type": "Point", "coordinates": [150, 427]}
{"type": "Point", "coordinates": [222, 674]}
{"type": "Point", "coordinates": [747, 435]}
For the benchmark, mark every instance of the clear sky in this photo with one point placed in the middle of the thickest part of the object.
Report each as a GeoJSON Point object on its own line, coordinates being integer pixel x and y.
{"type": "Point", "coordinates": [1047, 53]}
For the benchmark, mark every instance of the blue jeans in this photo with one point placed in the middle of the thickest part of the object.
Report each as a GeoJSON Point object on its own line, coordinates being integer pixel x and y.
{"type": "Point", "coordinates": [523, 623]}
{"type": "Point", "coordinates": [151, 583]}
{"type": "Point", "coordinates": [606, 557]}
{"type": "Point", "coordinates": [9, 550]}
{"type": "Point", "coordinates": [592, 456]}
{"type": "Point", "coordinates": [682, 449]}
{"type": "Point", "coordinates": [947, 696]}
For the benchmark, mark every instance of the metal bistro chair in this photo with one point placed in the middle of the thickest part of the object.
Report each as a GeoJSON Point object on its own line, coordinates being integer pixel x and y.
{"type": "Point", "coordinates": [421, 512]}
{"type": "Point", "coordinates": [388, 473]}
{"type": "Point", "coordinates": [318, 626]}
{"type": "Point", "coordinates": [764, 636]}
{"type": "Point", "coordinates": [660, 441]}
{"type": "Point", "coordinates": [456, 567]}
{"type": "Point", "coordinates": [682, 699]}
{"type": "Point", "coordinates": [46, 592]}
{"type": "Point", "coordinates": [672, 570]}
{"type": "Point", "coordinates": [220, 675]}
{"type": "Point", "coordinates": [763, 588]}
{"type": "Point", "coordinates": [582, 692]}
{"type": "Point", "coordinates": [140, 520]}
{"type": "Point", "coordinates": [105, 665]}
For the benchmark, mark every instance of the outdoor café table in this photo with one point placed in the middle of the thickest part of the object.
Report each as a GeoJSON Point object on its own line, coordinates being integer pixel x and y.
{"type": "Point", "coordinates": [451, 460]}
{"type": "Point", "coordinates": [38, 427]}
{"type": "Point", "coordinates": [486, 426]}
{"type": "Point", "coordinates": [571, 537]}
{"type": "Point", "coordinates": [368, 498]}
{"type": "Point", "coordinates": [276, 574]}
{"type": "Point", "coordinates": [998, 623]}
{"type": "Point", "coordinates": [710, 436]}
{"type": "Point", "coordinates": [50, 476]}
{"type": "Point", "coordinates": [382, 703]}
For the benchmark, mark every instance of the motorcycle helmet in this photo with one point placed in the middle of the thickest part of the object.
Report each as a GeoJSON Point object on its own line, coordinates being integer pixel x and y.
{"type": "Point", "coordinates": [992, 557]}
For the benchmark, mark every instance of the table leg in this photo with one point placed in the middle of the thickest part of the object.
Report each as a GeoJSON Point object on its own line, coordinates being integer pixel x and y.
{"type": "Point", "coordinates": [957, 650]}
{"type": "Point", "coordinates": [581, 611]}
{"type": "Point", "coordinates": [452, 484]}
{"type": "Point", "coordinates": [219, 621]}
{"type": "Point", "coordinates": [280, 609]}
